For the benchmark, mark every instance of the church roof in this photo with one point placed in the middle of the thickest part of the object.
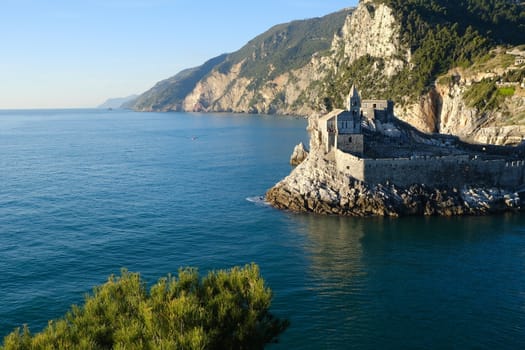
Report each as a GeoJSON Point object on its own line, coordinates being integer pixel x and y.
{"type": "Point", "coordinates": [353, 92]}
{"type": "Point", "coordinates": [332, 114]}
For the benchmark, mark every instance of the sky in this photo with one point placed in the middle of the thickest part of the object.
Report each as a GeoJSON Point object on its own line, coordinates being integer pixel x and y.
{"type": "Point", "coordinates": [79, 53]}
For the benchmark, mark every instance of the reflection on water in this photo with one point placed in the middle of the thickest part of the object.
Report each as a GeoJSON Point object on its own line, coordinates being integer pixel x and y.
{"type": "Point", "coordinates": [416, 282]}
{"type": "Point", "coordinates": [334, 247]}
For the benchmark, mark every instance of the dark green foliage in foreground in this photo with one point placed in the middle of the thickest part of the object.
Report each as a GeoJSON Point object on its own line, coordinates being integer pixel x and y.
{"type": "Point", "coordinates": [225, 310]}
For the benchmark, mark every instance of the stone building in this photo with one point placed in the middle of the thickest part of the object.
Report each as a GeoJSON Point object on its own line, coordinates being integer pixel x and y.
{"type": "Point", "coordinates": [382, 110]}
{"type": "Point", "coordinates": [402, 162]}
{"type": "Point", "coordinates": [342, 129]}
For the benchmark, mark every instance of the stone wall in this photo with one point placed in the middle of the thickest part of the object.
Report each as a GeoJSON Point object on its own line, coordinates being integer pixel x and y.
{"type": "Point", "coordinates": [407, 171]}
{"type": "Point", "coordinates": [374, 104]}
{"type": "Point", "coordinates": [327, 134]}
{"type": "Point", "coordinates": [434, 171]}
{"type": "Point", "coordinates": [350, 165]}
{"type": "Point", "coordinates": [353, 143]}
{"type": "Point", "coordinates": [382, 110]}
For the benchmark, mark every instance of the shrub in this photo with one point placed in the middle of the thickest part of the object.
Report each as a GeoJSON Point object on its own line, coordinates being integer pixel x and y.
{"type": "Point", "coordinates": [506, 91]}
{"type": "Point", "coordinates": [481, 95]}
{"type": "Point", "coordinates": [224, 310]}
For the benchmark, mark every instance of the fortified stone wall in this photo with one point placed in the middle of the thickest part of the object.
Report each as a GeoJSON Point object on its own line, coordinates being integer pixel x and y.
{"type": "Point", "coordinates": [327, 129]}
{"type": "Point", "coordinates": [350, 165]}
{"type": "Point", "coordinates": [451, 170]}
{"type": "Point", "coordinates": [513, 172]}
{"type": "Point", "coordinates": [424, 170]}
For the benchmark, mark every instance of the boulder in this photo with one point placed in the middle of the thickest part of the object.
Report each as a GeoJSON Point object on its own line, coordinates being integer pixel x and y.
{"type": "Point", "coordinates": [299, 155]}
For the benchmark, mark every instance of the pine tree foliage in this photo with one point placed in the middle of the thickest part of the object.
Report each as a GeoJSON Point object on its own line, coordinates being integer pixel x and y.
{"type": "Point", "coordinates": [224, 310]}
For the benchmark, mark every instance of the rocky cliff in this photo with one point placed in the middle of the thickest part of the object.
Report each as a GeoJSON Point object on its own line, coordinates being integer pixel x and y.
{"type": "Point", "coordinates": [371, 31]}
{"type": "Point", "coordinates": [428, 59]}
{"type": "Point", "coordinates": [273, 73]}
{"type": "Point", "coordinates": [299, 154]}
{"type": "Point", "coordinates": [373, 51]}
{"type": "Point", "coordinates": [450, 107]}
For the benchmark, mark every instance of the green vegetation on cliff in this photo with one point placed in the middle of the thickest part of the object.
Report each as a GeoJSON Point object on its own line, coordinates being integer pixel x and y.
{"type": "Point", "coordinates": [441, 34]}
{"type": "Point", "coordinates": [447, 33]}
{"type": "Point", "coordinates": [225, 310]}
{"type": "Point", "coordinates": [496, 20]}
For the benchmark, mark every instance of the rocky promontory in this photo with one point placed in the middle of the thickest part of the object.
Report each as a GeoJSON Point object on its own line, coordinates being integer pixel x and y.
{"type": "Point", "coordinates": [317, 186]}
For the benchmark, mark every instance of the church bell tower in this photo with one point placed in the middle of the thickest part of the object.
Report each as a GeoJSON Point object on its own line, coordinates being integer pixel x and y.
{"type": "Point", "coordinates": [354, 102]}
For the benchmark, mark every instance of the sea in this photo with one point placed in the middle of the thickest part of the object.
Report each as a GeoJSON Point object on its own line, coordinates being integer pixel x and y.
{"type": "Point", "coordinates": [85, 193]}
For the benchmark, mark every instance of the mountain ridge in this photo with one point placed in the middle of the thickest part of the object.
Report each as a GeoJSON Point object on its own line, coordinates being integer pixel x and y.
{"type": "Point", "coordinates": [390, 48]}
{"type": "Point", "coordinates": [259, 61]}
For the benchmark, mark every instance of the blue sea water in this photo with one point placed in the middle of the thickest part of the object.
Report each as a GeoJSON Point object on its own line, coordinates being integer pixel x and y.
{"type": "Point", "coordinates": [84, 193]}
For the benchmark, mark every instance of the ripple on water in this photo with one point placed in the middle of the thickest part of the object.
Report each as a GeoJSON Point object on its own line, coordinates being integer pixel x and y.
{"type": "Point", "coordinates": [85, 193]}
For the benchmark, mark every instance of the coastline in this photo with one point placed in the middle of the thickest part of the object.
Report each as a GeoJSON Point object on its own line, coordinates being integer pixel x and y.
{"type": "Point", "coordinates": [315, 186]}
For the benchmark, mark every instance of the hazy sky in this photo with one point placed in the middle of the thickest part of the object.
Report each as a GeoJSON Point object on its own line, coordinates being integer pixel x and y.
{"type": "Point", "coordinates": [78, 53]}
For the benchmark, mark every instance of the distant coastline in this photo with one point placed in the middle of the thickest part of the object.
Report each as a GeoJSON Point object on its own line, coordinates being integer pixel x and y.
{"type": "Point", "coordinates": [117, 103]}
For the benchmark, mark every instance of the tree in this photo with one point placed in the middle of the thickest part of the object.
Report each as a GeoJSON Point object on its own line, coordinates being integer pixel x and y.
{"type": "Point", "coordinates": [225, 310]}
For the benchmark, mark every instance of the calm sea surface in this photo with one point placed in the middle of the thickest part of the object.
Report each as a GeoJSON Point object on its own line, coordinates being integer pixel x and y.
{"type": "Point", "coordinates": [84, 193]}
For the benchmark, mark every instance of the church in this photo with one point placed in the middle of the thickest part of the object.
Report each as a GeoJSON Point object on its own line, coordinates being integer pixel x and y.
{"type": "Point", "coordinates": [342, 129]}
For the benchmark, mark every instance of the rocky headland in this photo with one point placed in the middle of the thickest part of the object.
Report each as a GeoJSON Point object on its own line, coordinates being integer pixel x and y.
{"type": "Point", "coordinates": [317, 186]}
